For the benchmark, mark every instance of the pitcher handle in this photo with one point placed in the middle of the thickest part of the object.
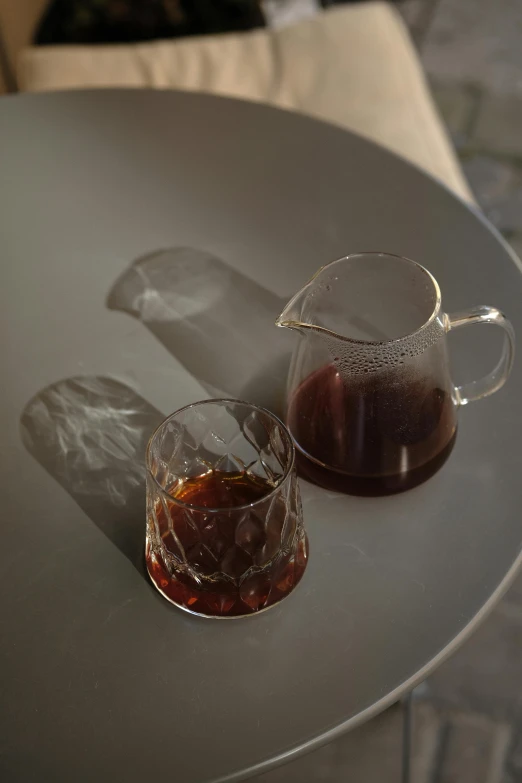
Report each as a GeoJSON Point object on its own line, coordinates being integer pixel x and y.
{"type": "Point", "coordinates": [492, 382]}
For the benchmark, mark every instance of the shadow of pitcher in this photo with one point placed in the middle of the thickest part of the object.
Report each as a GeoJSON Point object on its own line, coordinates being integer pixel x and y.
{"type": "Point", "coordinates": [213, 319]}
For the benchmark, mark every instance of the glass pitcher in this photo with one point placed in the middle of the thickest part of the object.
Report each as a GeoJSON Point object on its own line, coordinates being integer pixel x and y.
{"type": "Point", "coordinates": [371, 405]}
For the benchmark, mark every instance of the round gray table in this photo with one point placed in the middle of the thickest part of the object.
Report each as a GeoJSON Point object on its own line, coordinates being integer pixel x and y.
{"type": "Point", "coordinates": [147, 241]}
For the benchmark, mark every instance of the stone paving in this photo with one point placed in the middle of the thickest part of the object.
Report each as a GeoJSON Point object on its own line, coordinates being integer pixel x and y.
{"type": "Point", "coordinates": [472, 53]}
{"type": "Point", "coordinates": [468, 715]}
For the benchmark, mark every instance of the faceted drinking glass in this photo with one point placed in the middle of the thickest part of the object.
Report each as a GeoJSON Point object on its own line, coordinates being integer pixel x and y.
{"type": "Point", "coordinates": [225, 535]}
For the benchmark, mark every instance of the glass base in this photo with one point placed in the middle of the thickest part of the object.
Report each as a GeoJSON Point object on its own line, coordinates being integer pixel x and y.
{"type": "Point", "coordinates": [369, 486]}
{"type": "Point", "coordinates": [257, 593]}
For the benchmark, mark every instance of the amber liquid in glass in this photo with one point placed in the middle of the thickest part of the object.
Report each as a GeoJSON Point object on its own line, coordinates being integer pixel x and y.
{"type": "Point", "coordinates": [225, 547]}
{"type": "Point", "coordinates": [372, 437]}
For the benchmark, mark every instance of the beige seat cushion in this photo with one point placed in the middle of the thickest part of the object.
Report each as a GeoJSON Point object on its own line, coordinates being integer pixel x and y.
{"type": "Point", "coordinates": [353, 65]}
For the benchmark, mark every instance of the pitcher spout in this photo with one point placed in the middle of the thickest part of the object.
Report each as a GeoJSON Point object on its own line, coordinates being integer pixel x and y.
{"type": "Point", "coordinates": [293, 316]}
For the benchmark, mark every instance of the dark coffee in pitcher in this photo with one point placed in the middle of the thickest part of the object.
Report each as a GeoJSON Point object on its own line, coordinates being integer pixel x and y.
{"type": "Point", "coordinates": [371, 403]}
{"type": "Point", "coordinates": [370, 434]}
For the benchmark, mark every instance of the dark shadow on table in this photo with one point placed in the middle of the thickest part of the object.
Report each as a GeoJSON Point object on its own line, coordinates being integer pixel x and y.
{"type": "Point", "coordinates": [213, 319]}
{"type": "Point", "coordinates": [90, 434]}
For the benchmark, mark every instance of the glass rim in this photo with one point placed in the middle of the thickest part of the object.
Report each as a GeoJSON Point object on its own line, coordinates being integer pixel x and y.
{"type": "Point", "coordinates": [220, 400]}
{"type": "Point", "coordinates": [435, 312]}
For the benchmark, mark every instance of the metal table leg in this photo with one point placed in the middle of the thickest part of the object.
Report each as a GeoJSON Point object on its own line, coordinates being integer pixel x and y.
{"type": "Point", "coordinates": [406, 737]}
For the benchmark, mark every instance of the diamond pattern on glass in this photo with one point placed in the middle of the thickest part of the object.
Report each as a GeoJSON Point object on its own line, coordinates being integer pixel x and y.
{"type": "Point", "coordinates": [245, 552]}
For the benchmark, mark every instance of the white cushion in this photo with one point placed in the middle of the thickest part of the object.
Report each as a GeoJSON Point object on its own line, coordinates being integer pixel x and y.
{"type": "Point", "coordinates": [353, 65]}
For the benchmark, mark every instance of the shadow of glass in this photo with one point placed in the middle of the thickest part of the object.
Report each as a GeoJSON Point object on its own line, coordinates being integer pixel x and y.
{"type": "Point", "coordinates": [90, 435]}
{"type": "Point", "coordinates": [213, 319]}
